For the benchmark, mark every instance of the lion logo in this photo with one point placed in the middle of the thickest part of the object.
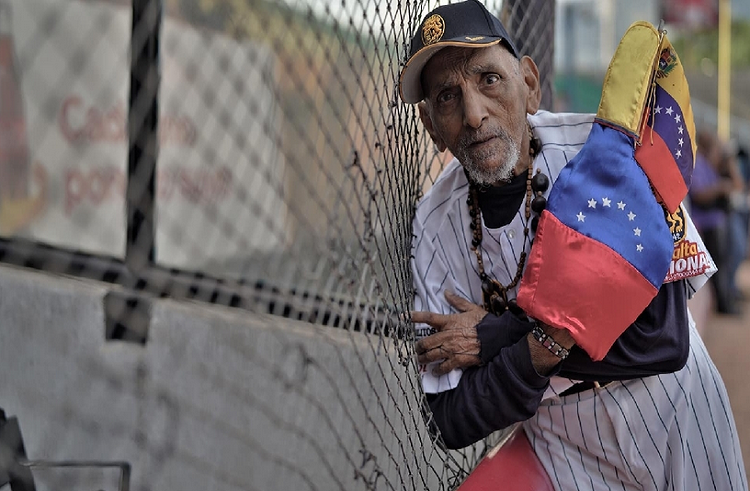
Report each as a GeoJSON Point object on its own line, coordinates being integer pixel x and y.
{"type": "Point", "coordinates": [676, 222]}
{"type": "Point", "coordinates": [433, 29]}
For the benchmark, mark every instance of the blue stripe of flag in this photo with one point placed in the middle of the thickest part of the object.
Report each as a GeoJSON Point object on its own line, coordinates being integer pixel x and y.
{"type": "Point", "coordinates": [673, 130]}
{"type": "Point", "coordinates": [604, 194]}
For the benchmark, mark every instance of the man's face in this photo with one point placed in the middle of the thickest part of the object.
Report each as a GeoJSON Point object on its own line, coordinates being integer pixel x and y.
{"type": "Point", "coordinates": [476, 101]}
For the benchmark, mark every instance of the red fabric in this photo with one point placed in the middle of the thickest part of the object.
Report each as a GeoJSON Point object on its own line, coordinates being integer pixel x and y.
{"type": "Point", "coordinates": [564, 263]}
{"type": "Point", "coordinates": [514, 467]}
{"type": "Point", "coordinates": [657, 162]}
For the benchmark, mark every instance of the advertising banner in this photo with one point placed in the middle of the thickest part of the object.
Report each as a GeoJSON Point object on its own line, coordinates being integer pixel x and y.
{"type": "Point", "coordinates": [64, 88]}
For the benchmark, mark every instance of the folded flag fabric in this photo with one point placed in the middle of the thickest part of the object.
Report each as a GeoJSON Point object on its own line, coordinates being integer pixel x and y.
{"type": "Point", "coordinates": [628, 81]}
{"type": "Point", "coordinates": [667, 148]}
{"type": "Point", "coordinates": [603, 247]}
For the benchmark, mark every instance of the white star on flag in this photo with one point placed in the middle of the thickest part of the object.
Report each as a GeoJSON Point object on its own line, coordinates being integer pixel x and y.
{"type": "Point", "coordinates": [637, 231]}
{"type": "Point", "coordinates": [670, 110]}
{"type": "Point", "coordinates": [681, 142]}
{"type": "Point", "coordinates": [679, 129]}
{"type": "Point", "coordinates": [657, 110]}
{"type": "Point", "coordinates": [677, 118]}
{"type": "Point", "coordinates": [678, 154]}
{"type": "Point", "coordinates": [621, 205]}
{"type": "Point", "coordinates": [592, 203]}
{"type": "Point", "coordinates": [639, 247]}
{"type": "Point", "coordinates": [581, 216]}
{"type": "Point", "coordinates": [606, 202]}
{"type": "Point", "coordinates": [631, 216]}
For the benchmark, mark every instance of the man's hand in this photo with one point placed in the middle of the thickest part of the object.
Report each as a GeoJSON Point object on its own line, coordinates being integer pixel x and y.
{"type": "Point", "coordinates": [456, 341]}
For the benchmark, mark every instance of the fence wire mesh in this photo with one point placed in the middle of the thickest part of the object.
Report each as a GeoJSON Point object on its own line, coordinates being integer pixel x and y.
{"type": "Point", "coordinates": [249, 154]}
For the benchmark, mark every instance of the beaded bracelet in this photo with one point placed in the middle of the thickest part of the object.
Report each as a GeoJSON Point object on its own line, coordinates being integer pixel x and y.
{"type": "Point", "coordinates": [549, 343]}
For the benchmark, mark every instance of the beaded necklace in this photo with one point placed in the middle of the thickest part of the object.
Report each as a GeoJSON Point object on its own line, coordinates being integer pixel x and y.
{"type": "Point", "coordinates": [494, 294]}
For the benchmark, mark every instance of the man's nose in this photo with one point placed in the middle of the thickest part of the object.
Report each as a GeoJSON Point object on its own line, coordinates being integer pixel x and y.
{"type": "Point", "coordinates": [475, 110]}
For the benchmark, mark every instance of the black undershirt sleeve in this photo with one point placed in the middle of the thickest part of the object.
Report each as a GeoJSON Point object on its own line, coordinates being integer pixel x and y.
{"type": "Point", "coordinates": [657, 342]}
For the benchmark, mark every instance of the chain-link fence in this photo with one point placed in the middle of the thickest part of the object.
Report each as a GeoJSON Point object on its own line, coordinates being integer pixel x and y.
{"type": "Point", "coordinates": [251, 154]}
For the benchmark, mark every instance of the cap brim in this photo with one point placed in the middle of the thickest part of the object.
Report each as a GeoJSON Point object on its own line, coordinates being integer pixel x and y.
{"type": "Point", "coordinates": [410, 83]}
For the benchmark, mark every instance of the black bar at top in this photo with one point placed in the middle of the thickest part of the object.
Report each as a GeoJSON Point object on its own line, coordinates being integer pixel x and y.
{"type": "Point", "coordinates": [143, 122]}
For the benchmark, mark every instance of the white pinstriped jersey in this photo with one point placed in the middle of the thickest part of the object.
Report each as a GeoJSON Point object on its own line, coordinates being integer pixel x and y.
{"type": "Point", "coordinates": [652, 433]}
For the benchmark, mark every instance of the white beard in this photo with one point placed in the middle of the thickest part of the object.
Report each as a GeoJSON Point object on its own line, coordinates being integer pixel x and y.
{"type": "Point", "coordinates": [483, 176]}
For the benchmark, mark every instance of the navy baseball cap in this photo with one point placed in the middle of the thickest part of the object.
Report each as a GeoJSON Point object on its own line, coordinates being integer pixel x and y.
{"type": "Point", "coordinates": [466, 24]}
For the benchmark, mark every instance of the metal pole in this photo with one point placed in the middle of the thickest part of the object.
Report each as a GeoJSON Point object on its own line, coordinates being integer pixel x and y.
{"type": "Point", "coordinates": [725, 69]}
{"type": "Point", "coordinates": [143, 120]}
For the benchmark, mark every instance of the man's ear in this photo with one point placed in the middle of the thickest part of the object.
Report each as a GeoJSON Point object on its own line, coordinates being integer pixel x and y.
{"type": "Point", "coordinates": [424, 115]}
{"type": "Point", "coordinates": [530, 74]}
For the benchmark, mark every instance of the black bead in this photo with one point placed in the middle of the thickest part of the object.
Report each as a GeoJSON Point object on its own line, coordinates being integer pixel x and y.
{"type": "Point", "coordinates": [487, 286]}
{"type": "Point", "coordinates": [538, 204]}
{"type": "Point", "coordinates": [498, 304]}
{"type": "Point", "coordinates": [534, 223]}
{"type": "Point", "coordinates": [540, 182]}
{"type": "Point", "coordinates": [513, 307]}
{"type": "Point", "coordinates": [475, 242]}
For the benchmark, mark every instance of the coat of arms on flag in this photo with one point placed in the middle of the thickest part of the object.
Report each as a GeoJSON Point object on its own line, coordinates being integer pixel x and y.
{"type": "Point", "coordinates": [603, 246]}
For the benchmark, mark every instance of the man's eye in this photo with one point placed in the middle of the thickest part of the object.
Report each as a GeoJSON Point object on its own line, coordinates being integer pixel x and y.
{"type": "Point", "coordinates": [491, 78]}
{"type": "Point", "coordinates": [444, 97]}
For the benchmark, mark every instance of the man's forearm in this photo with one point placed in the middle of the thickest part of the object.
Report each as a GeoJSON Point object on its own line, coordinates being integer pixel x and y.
{"type": "Point", "coordinates": [489, 398]}
{"type": "Point", "coordinates": [542, 358]}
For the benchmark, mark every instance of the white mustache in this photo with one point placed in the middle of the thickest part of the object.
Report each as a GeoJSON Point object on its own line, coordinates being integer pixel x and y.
{"type": "Point", "coordinates": [471, 139]}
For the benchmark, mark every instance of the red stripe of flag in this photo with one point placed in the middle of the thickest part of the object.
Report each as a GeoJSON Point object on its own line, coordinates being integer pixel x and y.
{"type": "Point", "coordinates": [658, 163]}
{"type": "Point", "coordinates": [595, 321]}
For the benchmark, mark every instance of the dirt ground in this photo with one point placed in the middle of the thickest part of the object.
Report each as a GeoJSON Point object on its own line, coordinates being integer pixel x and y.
{"type": "Point", "coordinates": [728, 341]}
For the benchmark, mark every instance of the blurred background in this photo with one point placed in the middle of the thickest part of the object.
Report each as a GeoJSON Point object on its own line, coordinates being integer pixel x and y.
{"type": "Point", "coordinates": [205, 212]}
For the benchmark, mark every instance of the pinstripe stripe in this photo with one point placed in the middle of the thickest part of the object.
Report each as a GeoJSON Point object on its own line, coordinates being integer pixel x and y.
{"type": "Point", "coordinates": [551, 470]}
{"type": "Point", "coordinates": [663, 382]}
{"type": "Point", "coordinates": [575, 475]}
{"type": "Point", "coordinates": [601, 446]}
{"type": "Point", "coordinates": [634, 441]}
{"type": "Point", "coordinates": [663, 425]}
{"type": "Point", "coordinates": [643, 418]}
{"type": "Point", "coordinates": [714, 375]}
{"type": "Point", "coordinates": [693, 357]}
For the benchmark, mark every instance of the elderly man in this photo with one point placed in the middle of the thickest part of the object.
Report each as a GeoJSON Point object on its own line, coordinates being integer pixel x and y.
{"type": "Point", "coordinates": [654, 413]}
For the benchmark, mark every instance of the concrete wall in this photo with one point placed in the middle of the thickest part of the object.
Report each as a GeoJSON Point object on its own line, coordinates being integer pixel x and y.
{"type": "Point", "coordinates": [217, 398]}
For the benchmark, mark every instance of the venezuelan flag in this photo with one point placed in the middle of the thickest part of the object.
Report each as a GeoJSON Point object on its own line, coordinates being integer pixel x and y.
{"type": "Point", "coordinates": [603, 248]}
{"type": "Point", "coordinates": [666, 151]}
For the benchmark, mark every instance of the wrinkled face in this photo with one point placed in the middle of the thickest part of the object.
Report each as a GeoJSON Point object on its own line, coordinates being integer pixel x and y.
{"type": "Point", "coordinates": [476, 101]}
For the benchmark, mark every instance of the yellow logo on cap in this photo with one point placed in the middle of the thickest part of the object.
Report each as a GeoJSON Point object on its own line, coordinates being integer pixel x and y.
{"type": "Point", "coordinates": [432, 29]}
{"type": "Point", "coordinates": [475, 38]}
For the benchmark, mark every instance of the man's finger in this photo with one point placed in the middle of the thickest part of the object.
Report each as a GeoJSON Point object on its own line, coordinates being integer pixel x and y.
{"type": "Point", "coordinates": [437, 321]}
{"type": "Point", "coordinates": [460, 303]}
{"type": "Point", "coordinates": [445, 367]}
{"type": "Point", "coordinates": [433, 341]}
{"type": "Point", "coordinates": [435, 354]}
{"type": "Point", "coordinates": [455, 362]}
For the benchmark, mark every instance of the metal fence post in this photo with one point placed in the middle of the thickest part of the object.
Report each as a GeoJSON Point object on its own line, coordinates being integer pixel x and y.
{"type": "Point", "coordinates": [143, 122]}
